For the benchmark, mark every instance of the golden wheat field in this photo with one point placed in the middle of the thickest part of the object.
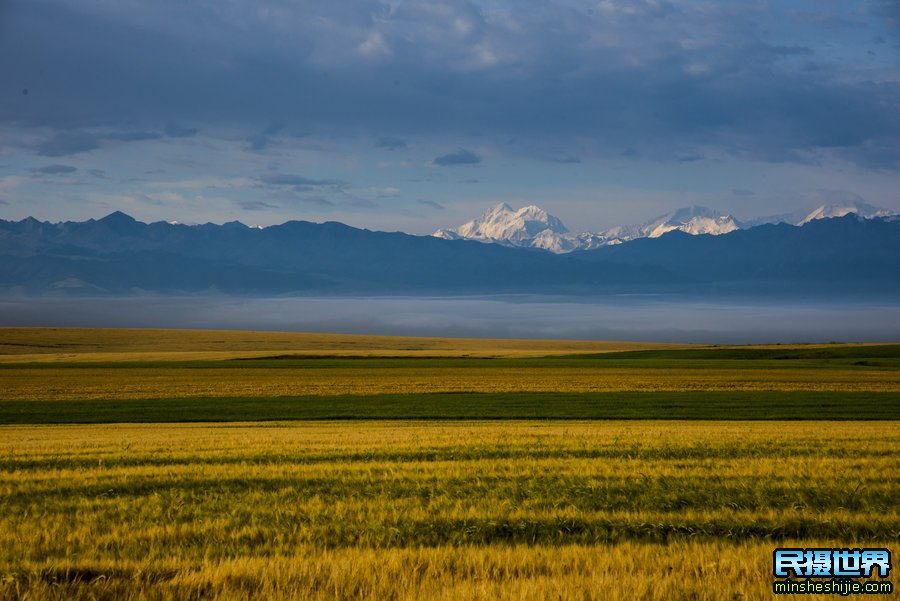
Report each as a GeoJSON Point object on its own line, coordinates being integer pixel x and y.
{"type": "Point", "coordinates": [446, 510]}
{"type": "Point", "coordinates": [149, 382]}
{"type": "Point", "coordinates": [153, 364]}
{"type": "Point", "coordinates": [123, 506]}
{"type": "Point", "coordinates": [123, 344]}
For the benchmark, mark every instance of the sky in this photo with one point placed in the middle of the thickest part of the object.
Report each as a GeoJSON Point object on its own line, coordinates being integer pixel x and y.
{"type": "Point", "coordinates": [413, 115]}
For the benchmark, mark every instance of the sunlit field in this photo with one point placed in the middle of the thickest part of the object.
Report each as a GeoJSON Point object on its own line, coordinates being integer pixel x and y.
{"type": "Point", "coordinates": [118, 376]}
{"type": "Point", "coordinates": [122, 344]}
{"type": "Point", "coordinates": [403, 510]}
{"type": "Point", "coordinates": [603, 472]}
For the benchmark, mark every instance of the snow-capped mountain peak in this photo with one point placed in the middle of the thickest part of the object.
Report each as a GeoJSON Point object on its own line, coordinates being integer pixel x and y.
{"type": "Point", "coordinates": [692, 220]}
{"type": "Point", "coordinates": [533, 227]}
{"type": "Point", "coordinates": [861, 209]}
{"type": "Point", "coordinates": [507, 225]}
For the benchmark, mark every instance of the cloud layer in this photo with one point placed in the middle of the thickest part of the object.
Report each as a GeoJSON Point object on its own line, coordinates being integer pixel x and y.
{"type": "Point", "coordinates": [615, 110]}
{"type": "Point", "coordinates": [765, 79]}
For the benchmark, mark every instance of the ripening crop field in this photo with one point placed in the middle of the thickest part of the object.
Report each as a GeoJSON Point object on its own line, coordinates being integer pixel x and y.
{"type": "Point", "coordinates": [155, 465]}
{"type": "Point", "coordinates": [310, 379]}
{"type": "Point", "coordinates": [118, 377]}
{"type": "Point", "coordinates": [440, 510]}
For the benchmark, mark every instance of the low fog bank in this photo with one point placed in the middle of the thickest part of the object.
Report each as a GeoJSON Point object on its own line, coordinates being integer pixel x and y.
{"type": "Point", "coordinates": [610, 318]}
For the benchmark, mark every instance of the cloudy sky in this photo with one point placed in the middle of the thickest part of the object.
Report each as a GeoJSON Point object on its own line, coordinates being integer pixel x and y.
{"type": "Point", "coordinates": [413, 115]}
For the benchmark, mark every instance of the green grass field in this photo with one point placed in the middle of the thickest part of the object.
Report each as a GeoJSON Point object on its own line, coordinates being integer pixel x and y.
{"type": "Point", "coordinates": [837, 382]}
{"type": "Point", "coordinates": [420, 471]}
{"type": "Point", "coordinates": [759, 405]}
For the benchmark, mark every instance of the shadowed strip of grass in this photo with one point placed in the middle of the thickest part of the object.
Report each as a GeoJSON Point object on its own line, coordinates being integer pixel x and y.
{"type": "Point", "coordinates": [740, 405]}
{"type": "Point", "coordinates": [563, 531]}
{"type": "Point", "coordinates": [540, 494]}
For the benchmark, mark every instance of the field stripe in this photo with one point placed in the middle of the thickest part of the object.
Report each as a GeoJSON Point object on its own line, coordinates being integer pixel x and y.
{"type": "Point", "coordinates": [739, 405]}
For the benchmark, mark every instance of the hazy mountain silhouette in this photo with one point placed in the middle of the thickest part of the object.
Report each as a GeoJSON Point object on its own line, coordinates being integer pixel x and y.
{"type": "Point", "coordinates": [119, 255]}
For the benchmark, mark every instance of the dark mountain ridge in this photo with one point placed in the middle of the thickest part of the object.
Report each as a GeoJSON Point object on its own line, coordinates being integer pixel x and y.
{"type": "Point", "coordinates": [119, 255]}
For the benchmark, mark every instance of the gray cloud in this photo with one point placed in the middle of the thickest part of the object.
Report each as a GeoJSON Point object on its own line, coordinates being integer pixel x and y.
{"type": "Point", "coordinates": [432, 204]}
{"type": "Point", "coordinates": [358, 202]}
{"type": "Point", "coordinates": [742, 192]}
{"type": "Point", "coordinates": [68, 143]}
{"type": "Point", "coordinates": [288, 179]}
{"type": "Point", "coordinates": [55, 170]}
{"type": "Point", "coordinates": [133, 136]}
{"type": "Point", "coordinates": [316, 200]}
{"type": "Point", "coordinates": [460, 157]}
{"type": "Point", "coordinates": [641, 74]}
{"type": "Point", "coordinates": [174, 130]}
{"type": "Point", "coordinates": [256, 205]}
{"type": "Point", "coordinates": [565, 159]}
{"type": "Point", "coordinates": [390, 143]}
{"type": "Point", "coordinates": [784, 51]}
{"type": "Point", "coordinates": [261, 140]}
{"type": "Point", "coordinates": [889, 9]}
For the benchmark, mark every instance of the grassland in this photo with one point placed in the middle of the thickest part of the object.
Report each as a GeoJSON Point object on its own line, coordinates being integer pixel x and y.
{"type": "Point", "coordinates": [111, 385]}
{"type": "Point", "coordinates": [431, 485]}
{"type": "Point", "coordinates": [402, 510]}
{"type": "Point", "coordinates": [143, 345]}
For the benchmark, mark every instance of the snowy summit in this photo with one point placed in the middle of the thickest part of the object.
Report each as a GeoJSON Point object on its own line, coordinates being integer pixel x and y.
{"type": "Point", "coordinates": [533, 227]}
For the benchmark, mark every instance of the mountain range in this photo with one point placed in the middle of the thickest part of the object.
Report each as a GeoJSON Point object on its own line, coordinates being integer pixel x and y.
{"type": "Point", "coordinates": [533, 227]}
{"type": "Point", "coordinates": [117, 255]}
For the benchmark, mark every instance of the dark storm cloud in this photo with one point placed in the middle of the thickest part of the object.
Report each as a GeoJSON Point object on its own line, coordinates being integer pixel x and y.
{"type": "Point", "coordinates": [638, 74]}
{"type": "Point", "coordinates": [55, 170]}
{"type": "Point", "coordinates": [460, 157]}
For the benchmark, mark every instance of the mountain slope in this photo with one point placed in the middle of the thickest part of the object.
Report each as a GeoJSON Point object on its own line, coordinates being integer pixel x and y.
{"type": "Point", "coordinates": [690, 220]}
{"type": "Point", "coordinates": [858, 208]}
{"type": "Point", "coordinates": [118, 255]}
{"type": "Point", "coordinates": [836, 256]}
{"type": "Point", "coordinates": [533, 227]}
{"type": "Point", "coordinates": [502, 223]}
